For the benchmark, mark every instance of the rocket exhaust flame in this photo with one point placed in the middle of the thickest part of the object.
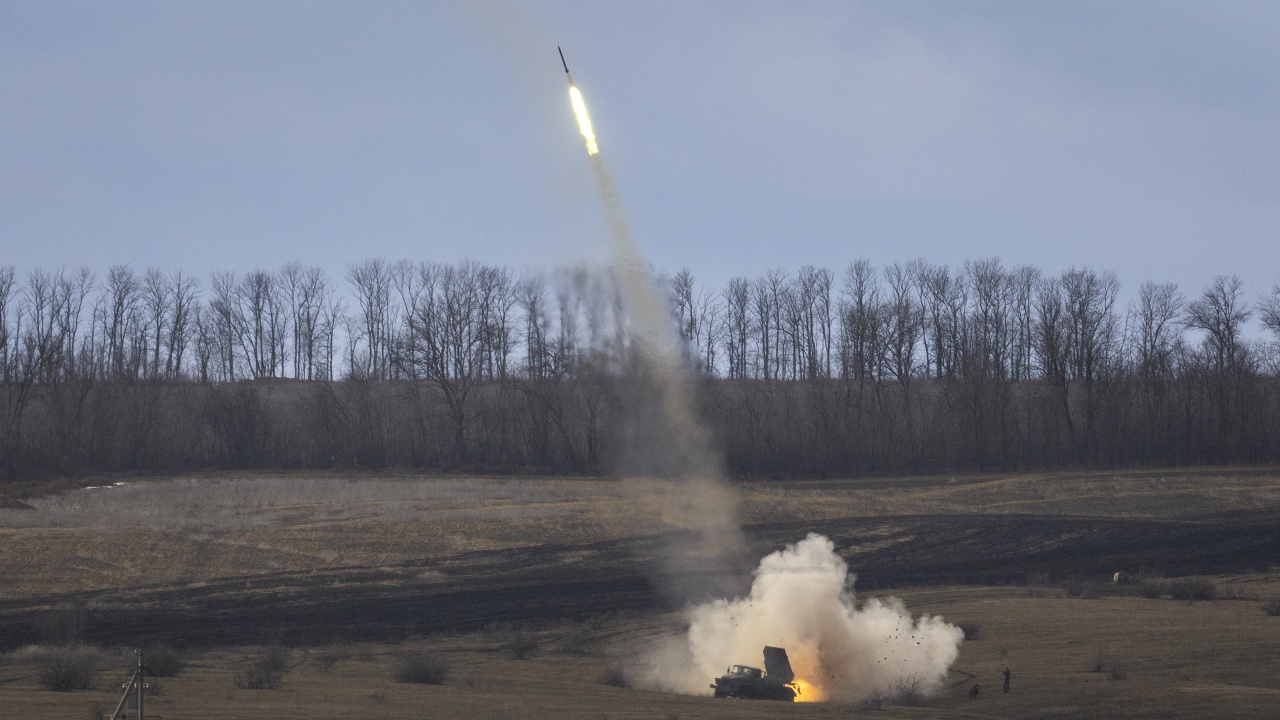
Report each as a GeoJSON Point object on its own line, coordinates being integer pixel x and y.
{"type": "Point", "coordinates": [584, 119]}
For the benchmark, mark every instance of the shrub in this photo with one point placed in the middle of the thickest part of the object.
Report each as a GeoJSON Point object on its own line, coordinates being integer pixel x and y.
{"type": "Point", "coordinates": [1272, 607]}
{"type": "Point", "coordinates": [1192, 590]}
{"type": "Point", "coordinates": [522, 644]}
{"type": "Point", "coordinates": [68, 667]}
{"type": "Point", "coordinates": [972, 631]}
{"type": "Point", "coordinates": [908, 690]}
{"type": "Point", "coordinates": [267, 671]}
{"type": "Point", "coordinates": [164, 661]}
{"type": "Point", "coordinates": [613, 676]}
{"type": "Point", "coordinates": [420, 667]}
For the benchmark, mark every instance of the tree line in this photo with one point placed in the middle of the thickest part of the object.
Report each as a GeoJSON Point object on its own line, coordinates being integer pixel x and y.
{"type": "Point", "coordinates": [909, 368]}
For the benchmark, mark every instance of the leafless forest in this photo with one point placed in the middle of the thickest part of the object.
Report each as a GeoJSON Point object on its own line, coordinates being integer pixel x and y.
{"type": "Point", "coordinates": [905, 369]}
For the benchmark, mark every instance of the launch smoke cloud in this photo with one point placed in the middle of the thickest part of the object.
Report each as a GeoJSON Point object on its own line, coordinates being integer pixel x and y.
{"type": "Point", "coordinates": [802, 600]}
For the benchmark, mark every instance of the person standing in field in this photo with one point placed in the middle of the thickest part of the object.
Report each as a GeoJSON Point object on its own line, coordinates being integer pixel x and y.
{"type": "Point", "coordinates": [1007, 674]}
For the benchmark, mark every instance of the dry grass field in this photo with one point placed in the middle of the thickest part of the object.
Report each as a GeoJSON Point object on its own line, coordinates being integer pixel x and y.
{"type": "Point", "coordinates": [353, 572]}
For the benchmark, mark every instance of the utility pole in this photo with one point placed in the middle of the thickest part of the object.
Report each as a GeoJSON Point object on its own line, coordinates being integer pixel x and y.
{"type": "Point", "coordinates": [137, 686]}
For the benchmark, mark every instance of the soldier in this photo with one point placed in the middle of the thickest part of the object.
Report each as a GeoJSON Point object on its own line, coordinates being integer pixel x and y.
{"type": "Point", "coordinates": [1006, 679]}
{"type": "Point", "coordinates": [973, 692]}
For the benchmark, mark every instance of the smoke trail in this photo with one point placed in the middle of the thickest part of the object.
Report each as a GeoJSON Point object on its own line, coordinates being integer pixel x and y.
{"type": "Point", "coordinates": [668, 439]}
{"type": "Point", "coordinates": [802, 600]}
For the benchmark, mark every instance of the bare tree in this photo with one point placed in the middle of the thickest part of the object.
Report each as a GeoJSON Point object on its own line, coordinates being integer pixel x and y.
{"type": "Point", "coordinates": [1269, 311]}
{"type": "Point", "coordinates": [903, 327]}
{"type": "Point", "coordinates": [1221, 313]}
{"type": "Point", "coordinates": [260, 309]}
{"type": "Point", "coordinates": [448, 335]}
{"type": "Point", "coordinates": [121, 321]}
{"type": "Point", "coordinates": [226, 323]}
{"type": "Point", "coordinates": [1159, 308]}
{"type": "Point", "coordinates": [531, 298]}
{"type": "Point", "coordinates": [372, 281]}
{"type": "Point", "coordinates": [862, 323]}
{"type": "Point", "coordinates": [1053, 343]}
{"type": "Point", "coordinates": [305, 289]}
{"type": "Point", "coordinates": [8, 341]}
{"type": "Point", "coordinates": [737, 304]}
{"type": "Point", "coordinates": [155, 310]}
{"type": "Point", "coordinates": [184, 293]}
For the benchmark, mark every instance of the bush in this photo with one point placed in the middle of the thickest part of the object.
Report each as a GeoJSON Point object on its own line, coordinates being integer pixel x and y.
{"type": "Point", "coordinates": [68, 667]}
{"type": "Point", "coordinates": [908, 690]}
{"type": "Point", "coordinates": [613, 676]}
{"type": "Point", "coordinates": [522, 644]}
{"type": "Point", "coordinates": [1272, 607]}
{"type": "Point", "coordinates": [420, 667]}
{"type": "Point", "coordinates": [1192, 590]}
{"type": "Point", "coordinates": [972, 631]}
{"type": "Point", "coordinates": [164, 661]}
{"type": "Point", "coordinates": [266, 672]}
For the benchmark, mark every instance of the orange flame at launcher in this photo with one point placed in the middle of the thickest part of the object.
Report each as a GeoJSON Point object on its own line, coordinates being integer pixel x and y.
{"type": "Point", "coordinates": [806, 692]}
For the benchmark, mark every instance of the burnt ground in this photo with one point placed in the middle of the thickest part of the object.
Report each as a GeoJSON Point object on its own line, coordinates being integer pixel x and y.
{"type": "Point", "coordinates": [550, 582]}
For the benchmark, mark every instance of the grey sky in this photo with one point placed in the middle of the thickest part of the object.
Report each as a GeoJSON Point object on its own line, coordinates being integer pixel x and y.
{"type": "Point", "coordinates": [1136, 137]}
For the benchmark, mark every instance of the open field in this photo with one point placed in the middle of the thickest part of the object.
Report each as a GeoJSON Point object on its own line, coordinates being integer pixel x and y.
{"type": "Point", "coordinates": [362, 568]}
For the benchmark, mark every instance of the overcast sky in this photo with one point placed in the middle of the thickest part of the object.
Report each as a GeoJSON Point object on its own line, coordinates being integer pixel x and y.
{"type": "Point", "coordinates": [1136, 137]}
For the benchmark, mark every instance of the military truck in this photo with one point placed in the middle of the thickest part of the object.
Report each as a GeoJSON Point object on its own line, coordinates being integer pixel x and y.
{"type": "Point", "coordinates": [751, 683]}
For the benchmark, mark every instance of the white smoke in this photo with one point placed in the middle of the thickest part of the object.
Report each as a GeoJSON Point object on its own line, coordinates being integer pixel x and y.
{"type": "Point", "coordinates": [802, 600]}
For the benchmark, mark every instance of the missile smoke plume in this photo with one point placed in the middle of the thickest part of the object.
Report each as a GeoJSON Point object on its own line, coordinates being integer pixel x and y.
{"type": "Point", "coordinates": [802, 600]}
{"type": "Point", "coordinates": [703, 503]}
{"type": "Point", "coordinates": [668, 439]}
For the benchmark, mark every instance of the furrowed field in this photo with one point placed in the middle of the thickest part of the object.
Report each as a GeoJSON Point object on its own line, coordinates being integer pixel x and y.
{"type": "Point", "coordinates": [535, 597]}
